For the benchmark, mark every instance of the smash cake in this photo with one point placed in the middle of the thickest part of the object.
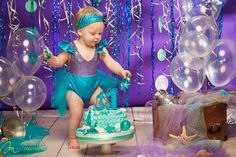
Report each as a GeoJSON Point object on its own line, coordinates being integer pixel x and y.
{"type": "Point", "coordinates": [105, 126]}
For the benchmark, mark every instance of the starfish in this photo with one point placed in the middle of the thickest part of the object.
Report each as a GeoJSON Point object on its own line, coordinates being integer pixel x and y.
{"type": "Point", "coordinates": [183, 137]}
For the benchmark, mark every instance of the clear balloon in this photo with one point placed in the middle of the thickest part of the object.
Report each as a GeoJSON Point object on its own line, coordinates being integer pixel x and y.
{"type": "Point", "coordinates": [8, 77]}
{"type": "Point", "coordinates": [186, 7]}
{"type": "Point", "coordinates": [30, 93]}
{"type": "Point", "coordinates": [220, 68]}
{"type": "Point", "coordinates": [196, 63]}
{"type": "Point", "coordinates": [205, 26]}
{"type": "Point", "coordinates": [184, 77]}
{"type": "Point", "coordinates": [24, 49]}
{"type": "Point", "coordinates": [209, 8]}
{"type": "Point", "coordinates": [194, 43]}
{"type": "Point", "coordinates": [9, 99]}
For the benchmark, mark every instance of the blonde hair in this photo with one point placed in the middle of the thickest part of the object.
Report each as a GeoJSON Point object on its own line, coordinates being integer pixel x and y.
{"type": "Point", "coordinates": [83, 11]}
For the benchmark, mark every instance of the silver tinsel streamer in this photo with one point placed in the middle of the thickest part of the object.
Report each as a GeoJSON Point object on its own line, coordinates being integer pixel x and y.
{"type": "Point", "coordinates": [68, 13]}
{"type": "Point", "coordinates": [68, 16]}
{"type": "Point", "coordinates": [137, 36]}
{"type": "Point", "coordinates": [14, 21]}
{"type": "Point", "coordinates": [43, 23]}
{"type": "Point", "coordinates": [42, 20]}
{"type": "Point", "coordinates": [110, 21]}
{"type": "Point", "coordinates": [87, 2]}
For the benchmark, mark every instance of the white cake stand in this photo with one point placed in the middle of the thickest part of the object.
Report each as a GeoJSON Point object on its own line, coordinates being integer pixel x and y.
{"type": "Point", "coordinates": [105, 139]}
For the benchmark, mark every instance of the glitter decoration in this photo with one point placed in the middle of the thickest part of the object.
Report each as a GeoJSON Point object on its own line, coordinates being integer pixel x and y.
{"type": "Point", "coordinates": [152, 17]}
{"type": "Point", "coordinates": [161, 55]}
{"type": "Point", "coordinates": [55, 26]}
{"type": "Point", "coordinates": [128, 45]}
{"type": "Point", "coordinates": [172, 38]}
{"type": "Point", "coordinates": [3, 30]}
{"type": "Point", "coordinates": [160, 24]}
{"type": "Point", "coordinates": [31, 6]}
{"type": "Point", "coordinates": [161, 82]}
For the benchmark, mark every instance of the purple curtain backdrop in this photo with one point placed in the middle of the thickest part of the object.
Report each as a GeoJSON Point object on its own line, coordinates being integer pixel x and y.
{"type": "Point", "coordinates": [135, 98]}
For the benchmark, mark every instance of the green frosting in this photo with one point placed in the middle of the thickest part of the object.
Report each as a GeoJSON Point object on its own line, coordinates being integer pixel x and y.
{"type": "Point", "coordinates": [107, 121]}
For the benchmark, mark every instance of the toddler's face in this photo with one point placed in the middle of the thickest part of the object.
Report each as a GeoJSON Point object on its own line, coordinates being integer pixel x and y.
{"type": "Point", "coordinates": [92, 34]}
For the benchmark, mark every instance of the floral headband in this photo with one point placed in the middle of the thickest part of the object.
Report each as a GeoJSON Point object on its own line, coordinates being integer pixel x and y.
{"type": "Point", "coordinates": [88, 19]}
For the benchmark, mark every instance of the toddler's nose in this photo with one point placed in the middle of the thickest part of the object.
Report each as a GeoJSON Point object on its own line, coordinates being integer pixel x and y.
{"type": "Point", "coordinates": [96, 36]}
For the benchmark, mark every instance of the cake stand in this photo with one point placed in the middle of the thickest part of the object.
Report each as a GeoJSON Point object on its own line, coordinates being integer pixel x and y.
{"type": "Point", "coordinates": [105, 139]}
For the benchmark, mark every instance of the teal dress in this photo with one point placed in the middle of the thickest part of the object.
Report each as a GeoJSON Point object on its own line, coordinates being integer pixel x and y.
{"type": "Point", "coordinates": [80, 76]}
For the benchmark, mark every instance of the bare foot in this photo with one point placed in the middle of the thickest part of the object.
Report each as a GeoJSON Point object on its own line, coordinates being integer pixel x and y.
{"type": "Point", "coordinates": [73, 144]}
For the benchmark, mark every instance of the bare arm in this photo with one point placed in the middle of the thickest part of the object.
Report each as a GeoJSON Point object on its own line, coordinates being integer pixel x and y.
{"type": "Point", "coordinates": [114, 66]}
{"type": "Point", "coordinates": [56, 61]}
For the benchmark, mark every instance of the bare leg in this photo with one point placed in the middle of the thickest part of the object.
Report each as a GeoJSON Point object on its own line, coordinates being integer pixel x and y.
{"type": "Point", "coordinates": [75, 104]}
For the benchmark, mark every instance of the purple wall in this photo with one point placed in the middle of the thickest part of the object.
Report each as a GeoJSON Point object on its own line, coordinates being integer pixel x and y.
{"type": "Point", "coordinates": [135, 98]}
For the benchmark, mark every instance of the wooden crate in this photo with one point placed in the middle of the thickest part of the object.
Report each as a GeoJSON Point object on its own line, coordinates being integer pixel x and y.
{"type": "Point", "coordinates": [214, 118]}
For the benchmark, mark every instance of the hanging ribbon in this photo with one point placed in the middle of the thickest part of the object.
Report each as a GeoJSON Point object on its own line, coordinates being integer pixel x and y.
{"type": "Point", "coordinates": [2, 36]}
{"type": "Point", "coordinates": [68, 13]}
{"type": "Point", "coordinates": [128, 20]}
{"type": "Point", "coordinates": [55, 26]}
{"type": "Point", "coordinates": [172, 38]}
{"type": "Point", "coordinates": [3, 28]}
{"type": "Point", "coordinates": [115, 28]}
{"type": "Point", "coordinates": [78, 4]}
{"type": "Point", "coordinates": [121, 31]}
{"type": "Point", "coordinates": [152, 18]}
{"type": "Point", "coordinates": [55, 31]}
{"type": "Point", "coordinates": [194, 3]}
{"type": "Point", "coordinates": [32, 14]}
{"type": "Point", "coordinates": [128, 35]}
{"type": "Point", "coordinates": [221, 18]}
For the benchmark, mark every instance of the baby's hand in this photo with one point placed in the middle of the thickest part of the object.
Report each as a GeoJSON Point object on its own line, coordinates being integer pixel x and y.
{"type": "Point", "coordinates": [125, 83]}
{"type": "Point", "coordinates": [126, 73]}
{"type": "Point", "coordinates": [47, 54]}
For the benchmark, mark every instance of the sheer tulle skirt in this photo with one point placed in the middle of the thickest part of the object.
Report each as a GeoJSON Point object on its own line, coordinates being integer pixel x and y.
{"type": "Point", "coordinates": [83, 86]}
